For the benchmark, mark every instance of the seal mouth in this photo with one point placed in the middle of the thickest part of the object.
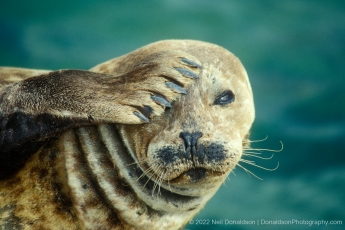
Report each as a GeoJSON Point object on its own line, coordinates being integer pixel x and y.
{"type": "Point", "coordinates": [170, 163]}
{"type": "Point", "coordinates": [196, 174]}
{"type": "Point", "coordinates": [195, 182]}
{"type": "Point", "coordinates": [178, 170]}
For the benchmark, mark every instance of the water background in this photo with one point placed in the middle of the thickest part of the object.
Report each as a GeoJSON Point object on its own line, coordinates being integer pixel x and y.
{"type": "Point", "coordinates": [293, 51]}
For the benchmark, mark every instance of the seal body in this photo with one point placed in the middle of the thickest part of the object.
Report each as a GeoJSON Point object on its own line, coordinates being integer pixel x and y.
{"type": "Point", "coordinates": [142, 141]}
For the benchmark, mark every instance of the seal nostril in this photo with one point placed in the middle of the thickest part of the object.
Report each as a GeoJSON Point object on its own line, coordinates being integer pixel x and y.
{"type": "Point", "coordinates": [187, 139]}
{"type": "Point", "coordinates": [195, 137]}
{"type": "Point", "coordinates": [190, 141]}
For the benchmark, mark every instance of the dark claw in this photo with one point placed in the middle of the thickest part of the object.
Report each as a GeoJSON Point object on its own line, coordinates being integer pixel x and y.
{"type": "Point", "coordinates": [161, 101]}
{"type": "Point", "coordinates": [176, 88]}
{"type": "Point", "coordinates": [142, 117]}
{"type": "Point", "coordinates": [191, 63]}
{"type": "Point", "coordinates": [187, 73]}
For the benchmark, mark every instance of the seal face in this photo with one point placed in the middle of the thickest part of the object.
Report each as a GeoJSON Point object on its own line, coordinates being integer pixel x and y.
{"type": "Point", "coordinates": [141, 141]}
{"type": "Point", "coordinates": [194, 145]}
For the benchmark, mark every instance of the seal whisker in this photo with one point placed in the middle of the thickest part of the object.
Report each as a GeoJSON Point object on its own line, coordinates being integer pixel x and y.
{"type": "Point", "coordinates": [253, 153]}
{"type": "Point", "coordinates": [160, 181]}
{"type": "Point", "coordinates": [139, 161]}
{"type": "Point", "coordinates": [151, 169]}
{"type": "Point", "coordinates": [258, 166]}
{"type": "Point", "coordinates": [253, 141]}
{"type": "Point", "coordinates": [250, 154]}
{"type": "Point", "coordinates": [156, 184]}
{"type": "Point", "coordinates": [144, 173]}
{"type": "Point", "coordinates": [134, 163]}
{"type": "Point", "coordinates": [249, 172]}
{"type": "Point", "coordinates": [169, 184]}
{"type": "Point", "coordinates": [146, 183]}
{"type": "Point", "coordinates": [268, 150]}
{"type": "Point", "coordinates": [228, 178]}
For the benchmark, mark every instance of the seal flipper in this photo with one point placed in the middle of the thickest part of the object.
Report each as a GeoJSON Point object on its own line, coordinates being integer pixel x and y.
{"type": "Point", "coordinates": [38, 107]}
{"type": "Point", "coordinates": [29, 113]}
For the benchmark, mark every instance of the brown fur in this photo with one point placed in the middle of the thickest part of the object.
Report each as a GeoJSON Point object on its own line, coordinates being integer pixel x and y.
{"type": "Point", "coordinates": [85, 177]}
{"type": "Point", "coordinates": [37, 197]}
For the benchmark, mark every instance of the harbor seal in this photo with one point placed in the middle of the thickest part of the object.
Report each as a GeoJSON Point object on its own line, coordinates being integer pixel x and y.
{"type": "Point", "coordinates": [142, 141]}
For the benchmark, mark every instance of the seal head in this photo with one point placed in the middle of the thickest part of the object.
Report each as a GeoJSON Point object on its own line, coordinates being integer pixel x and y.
{"type": "Point", "coordinates": [194, 145]}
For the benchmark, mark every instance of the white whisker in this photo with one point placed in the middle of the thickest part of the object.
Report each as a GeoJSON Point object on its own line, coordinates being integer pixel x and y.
{"type": "Point", "coordinates": [151, 169]}
{"type": "Point", "coordinates": [253, 141]}
{"type": "Point", "coordinates": [135, 162]}
{"type": "Point", "coordinates": [145, 173]}
{"type": "Point", "coordinates": [256, 153]}
{"type": "Point", "coordinates": [160, 181]}
{"type": "Point", "coordinates": [249, 172]}
{"type": "Point", "coordinates": [169, 185]}
{"type": "Point", "coordinates": [249, 154]}
{"type": "Point", "coordinates": [268, 150]}
{"type": "Point", "coordinates": [157, 184]}
{"type": "Point", "coordinates": [258, 166]}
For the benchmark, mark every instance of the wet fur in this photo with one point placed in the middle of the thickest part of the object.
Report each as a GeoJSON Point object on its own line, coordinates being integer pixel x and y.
{"type": "Point", "coordinates": [54, 125]}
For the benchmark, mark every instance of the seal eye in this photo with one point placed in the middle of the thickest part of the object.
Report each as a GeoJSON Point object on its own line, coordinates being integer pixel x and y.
{"type": "Point", "coordinates": [224, 98]}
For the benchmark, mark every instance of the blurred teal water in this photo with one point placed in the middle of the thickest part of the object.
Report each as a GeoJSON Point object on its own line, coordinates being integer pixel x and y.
{"type": "Point", "coordinates": [294, 54]}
